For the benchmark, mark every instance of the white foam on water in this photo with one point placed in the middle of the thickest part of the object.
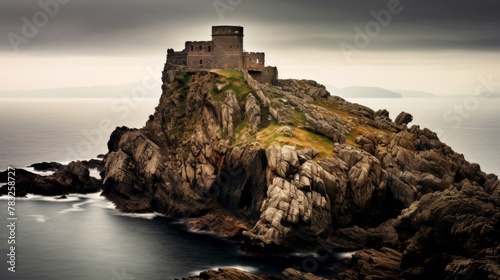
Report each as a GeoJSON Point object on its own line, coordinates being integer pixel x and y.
{"type": "Point", "coordinates": [41, 173]}
{"type": "Point", "coordinates": [34, 197]}
{"type": "Point", "coordinates": [65, 162]}
{"type": "Point", "coordinates": [95, 196]}
{"type": "Point", "coordinates": [76, 207]}
{"type": "Point", "coordinates": [94, 173]}
{"type": "Point", "coordinates": [308, 254]}
{"type": "Point", "coordinates": [345, 255]}
{"type": "Point", "coordinates": [147, 216]}
{"type": "Point", "coordinates": [244, 268]}
{"type": "Point", "coordinates": [39, 218]}
{"type": "Point", "coordinates": [109, 205]}
{"type": "Point", "coordinates": [204, 232]}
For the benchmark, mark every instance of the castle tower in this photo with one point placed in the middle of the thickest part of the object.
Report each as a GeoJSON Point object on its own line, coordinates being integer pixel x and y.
{"type": "Point", "coordinates": [228, 47]}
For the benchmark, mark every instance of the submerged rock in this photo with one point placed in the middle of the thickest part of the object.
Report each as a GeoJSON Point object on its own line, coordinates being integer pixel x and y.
{"type": "Point", "coordinates": [46, 166]}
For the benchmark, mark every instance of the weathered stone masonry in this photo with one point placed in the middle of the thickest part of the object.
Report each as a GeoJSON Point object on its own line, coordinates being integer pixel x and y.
{"type": "Point", "coordinates": [225, 51]}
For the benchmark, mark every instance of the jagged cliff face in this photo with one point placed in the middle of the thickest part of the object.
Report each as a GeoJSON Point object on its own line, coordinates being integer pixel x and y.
{"type": "Point", "coordinates": [290, 167]}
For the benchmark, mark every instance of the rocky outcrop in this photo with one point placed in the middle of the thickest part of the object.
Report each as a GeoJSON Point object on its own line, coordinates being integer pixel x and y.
{"type": "Point", "coordinates": [231, 113]}
{"type": "Point", "coordinates": [331, 127]}
{"type": "Point", "coordinates": [403, 118]}
{"type": "Point", "coordinates": [291, 200]}
{"type": "Point", "coordinates": [373, 264]}
{"type": "Point", "coordinates": [248, 161]}
{"type": "Point", "coordinates": [233, 273]}
{"type": "Point", "coordinates": [453, 234]}
{"type": "Point", "coordinates": [252, 112]}
{"type": "Point", "coordinates": [72, 178]}
{"type": "Point", "coordinates": [220, 222]}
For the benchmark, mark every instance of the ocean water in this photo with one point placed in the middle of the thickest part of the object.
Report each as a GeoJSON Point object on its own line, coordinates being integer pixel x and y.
{"type": "Point", "coordinates": [84, 237]}
{"type": "Point", "coordinates": [62, 130]}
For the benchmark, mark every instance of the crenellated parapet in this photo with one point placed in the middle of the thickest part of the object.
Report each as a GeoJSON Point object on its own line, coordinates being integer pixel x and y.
{"type": "Point", "coordinates": [224, 51]}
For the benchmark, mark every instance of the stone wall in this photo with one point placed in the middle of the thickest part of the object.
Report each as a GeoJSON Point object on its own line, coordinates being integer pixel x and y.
{"type": "Point", "coordinates": [228, 47]}
{"type": "Point", "coordinates": [199, 54]}
{"type": "Point", "coordinates": [178, 58]}
{"type": "Point", "coordinates": [225, 51]}
{"type": "Point", "coordinates": [253, 61]}
{"type": "Point", "coordinates": [268, 75]}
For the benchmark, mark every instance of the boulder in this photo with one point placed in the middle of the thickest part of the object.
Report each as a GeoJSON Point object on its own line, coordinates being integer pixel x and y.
{"type": "Point", "coordinates": [252, 111]}
{"type": "Point", "coordinates": [231, 113]}
{"type": "Point", "coordinates": [403, 119]}
{"type": "Point", "coordinates": [373, 264]}
{"type": "Point", "coordinates": [452, 234]}
{"type": "Point", "coordinates": [287, 131]}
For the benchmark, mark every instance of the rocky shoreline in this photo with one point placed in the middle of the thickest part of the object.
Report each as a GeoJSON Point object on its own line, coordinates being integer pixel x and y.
{"type": "Point", "coordinates": [300, 170]}
{"type": "Point", "coordinates": [65, 179]}
{"type": "Point", "coordinates": [287, 168]}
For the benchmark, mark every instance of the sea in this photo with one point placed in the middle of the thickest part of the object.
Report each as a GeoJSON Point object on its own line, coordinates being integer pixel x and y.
{"type": "Point", "coordinates": [85, 237]}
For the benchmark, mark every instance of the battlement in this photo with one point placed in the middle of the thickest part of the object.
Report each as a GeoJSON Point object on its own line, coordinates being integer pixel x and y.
{"type": "Point", "coordinates": [223, 30]}
{"type": "Point", "coordinates": [254, 61]}
{"type": "Point", "coordinates": [224, 51]}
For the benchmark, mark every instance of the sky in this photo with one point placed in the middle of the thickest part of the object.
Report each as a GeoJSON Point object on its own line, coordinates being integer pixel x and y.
{"type": "Point", "coordinates": [444, 47]}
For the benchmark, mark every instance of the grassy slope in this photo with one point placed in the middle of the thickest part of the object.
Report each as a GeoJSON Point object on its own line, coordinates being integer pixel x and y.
{"type": "Point", "coordinates": [233, 79]}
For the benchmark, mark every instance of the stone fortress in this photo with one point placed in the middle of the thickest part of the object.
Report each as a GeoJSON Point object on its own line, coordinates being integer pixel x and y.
{"type": "Point", "coordinates": [225, 51]}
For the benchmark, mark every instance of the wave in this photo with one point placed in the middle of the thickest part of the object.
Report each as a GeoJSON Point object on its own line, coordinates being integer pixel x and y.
{"type": "Point", "coordinates": [41, 173]}
{"type": "Point", "coordinates": [39, 218]}
{"type": "Point", "coordinates": [91, 198]}
{"type": "Point", "coordinates": [96, 195]}
{"type": "Point", "coordinates": [76, 207]}
{"type": "Point", "coordinates": [345, 255]}
{"type": "Point", "coordinates": [69, 198]}
{"type": "Point", "coordinates": [147, 216]}
{"type": "Point", "coordinates": [34, 197]}
{"type": "Point", "coordinates": [203, 232]}
{"type": "Point", "coordinates": [109, 205]}
{"type": "Point", "coordinates": [308, 254]}
{"type": "Point", "coordinates": [94, 173]}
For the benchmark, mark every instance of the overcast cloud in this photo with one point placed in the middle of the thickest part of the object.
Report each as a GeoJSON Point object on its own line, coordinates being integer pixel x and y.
{"type": "Point", "coordinates": [282, 28]}
{"type": "Point", "coordinates": [111, 26]}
